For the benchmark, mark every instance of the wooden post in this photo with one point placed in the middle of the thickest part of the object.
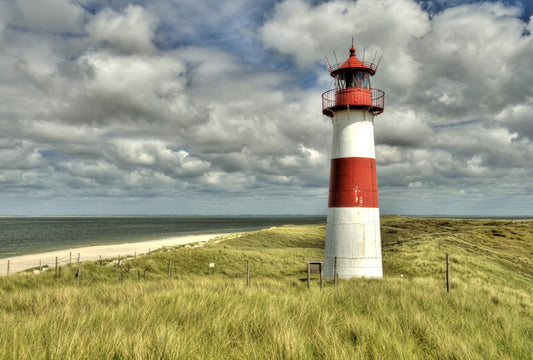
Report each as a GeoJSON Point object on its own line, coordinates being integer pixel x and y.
{"type": "Point", "coordinates": [40, 266]}
{"type": "Point", "coordinates": [79, 273]}
{"type": "Point", "coordinates": [169, 269]}
{"type": "Point", "coordinates": [70, 258]}
{"type": "Point", "coordinates": [56, 268]}
{"type": "Point", "coordinates": [308, 275]}
{"type": "Point", "coordinates": [447, 275]}
{"type": "Point", "coordinates": [119, 260]}
{"type": "Point", "coordinates": [321, 276]}
{"type": "Point", "coordinates": [248, 273]}
{"type": "Point", "coordinates": [8, 263]}
{"type": "Point", "coordinates": [335, 274]}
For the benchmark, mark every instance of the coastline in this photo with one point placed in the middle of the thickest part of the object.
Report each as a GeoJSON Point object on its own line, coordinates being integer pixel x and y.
{"type": "Point", "coordinates": [96, 252]}
{"type": "Point", "coordinates": [32, 235]}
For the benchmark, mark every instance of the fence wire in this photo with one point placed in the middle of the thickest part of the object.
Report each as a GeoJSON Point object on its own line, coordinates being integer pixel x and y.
{"type": "Point", "coordinates": [75, 261]}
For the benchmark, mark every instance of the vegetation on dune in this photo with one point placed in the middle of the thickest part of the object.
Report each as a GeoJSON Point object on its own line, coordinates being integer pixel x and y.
{"type": "Point", "coordinates": [134, 311]}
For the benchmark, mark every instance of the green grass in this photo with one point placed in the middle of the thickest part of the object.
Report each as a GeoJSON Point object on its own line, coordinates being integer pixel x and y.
{"type": "Point", "coordinates": [198, 315]}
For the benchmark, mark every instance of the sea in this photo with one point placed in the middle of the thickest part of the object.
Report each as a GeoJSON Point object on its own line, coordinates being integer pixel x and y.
{"type": "Point", "coordinates": [31, 235]}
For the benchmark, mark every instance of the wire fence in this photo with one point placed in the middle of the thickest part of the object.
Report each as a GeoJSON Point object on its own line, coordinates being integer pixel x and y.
{"type": "Point", "coordinates": [74, 261]}
{"type": "Point", "coordinates": [43, 262]}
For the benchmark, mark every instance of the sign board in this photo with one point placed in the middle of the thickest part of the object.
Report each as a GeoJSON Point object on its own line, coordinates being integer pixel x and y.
{"type": "Point", "coordinates": [315, 267]}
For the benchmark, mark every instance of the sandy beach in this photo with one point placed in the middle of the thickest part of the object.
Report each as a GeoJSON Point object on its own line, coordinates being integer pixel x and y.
{"type": "Point", "coordinates": [92, 253]}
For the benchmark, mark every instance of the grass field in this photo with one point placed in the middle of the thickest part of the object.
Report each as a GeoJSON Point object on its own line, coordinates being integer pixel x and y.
{"type": "Point", "coordinates": [134, 311]}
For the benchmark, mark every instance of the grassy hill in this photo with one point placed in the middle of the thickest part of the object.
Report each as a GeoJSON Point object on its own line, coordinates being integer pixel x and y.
{"type": "Point", "coordinates": [134, 311]}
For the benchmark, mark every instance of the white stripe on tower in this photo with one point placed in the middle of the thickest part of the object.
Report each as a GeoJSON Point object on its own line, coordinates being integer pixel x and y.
{"type": "Point", "coordinates": [353, 134]}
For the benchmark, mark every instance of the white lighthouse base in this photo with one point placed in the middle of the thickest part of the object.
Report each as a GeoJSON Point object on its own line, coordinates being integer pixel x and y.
{"type": "Point", "coordinates": [353, 243]}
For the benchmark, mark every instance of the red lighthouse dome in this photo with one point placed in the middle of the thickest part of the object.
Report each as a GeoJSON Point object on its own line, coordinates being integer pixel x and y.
{"type": "Point", "coordinates": [353, 88]}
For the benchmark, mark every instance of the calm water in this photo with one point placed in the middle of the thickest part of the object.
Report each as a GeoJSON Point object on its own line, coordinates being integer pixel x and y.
{"type": "Point", "coordinates": [26, 235]}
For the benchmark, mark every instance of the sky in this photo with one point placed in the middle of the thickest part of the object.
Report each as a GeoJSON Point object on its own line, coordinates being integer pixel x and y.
{"type": "Point", "coordinates": [212, 107]}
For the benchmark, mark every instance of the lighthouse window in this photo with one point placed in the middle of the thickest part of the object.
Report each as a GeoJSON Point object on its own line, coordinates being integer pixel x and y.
{"type": "Point", "coordinates": [341, 83]}
{"type": "Point", "coordinates": [362, 79]}
{"type": "Point", "coordinates": [352, 79]}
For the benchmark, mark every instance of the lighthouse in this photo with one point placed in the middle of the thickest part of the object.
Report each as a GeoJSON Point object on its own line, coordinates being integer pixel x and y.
{"type": "Point", "coordinates": [353, 237]}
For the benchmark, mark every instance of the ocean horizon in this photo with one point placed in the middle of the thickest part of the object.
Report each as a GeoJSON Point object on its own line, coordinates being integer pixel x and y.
{"type": "Point", "coordinates": [22, 235]}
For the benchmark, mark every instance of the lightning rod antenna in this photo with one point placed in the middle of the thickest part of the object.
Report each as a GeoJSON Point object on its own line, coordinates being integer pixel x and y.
{"type": "Point", "coordinates": [379, 61]}
{"type": "Point", "coordinates": [326, 60]}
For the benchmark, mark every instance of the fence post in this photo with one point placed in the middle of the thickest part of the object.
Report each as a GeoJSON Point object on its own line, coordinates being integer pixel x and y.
{"type": "Point", "coordinates": [169, 269]}
{"type": "Point", "coordinates": [308, 275]}
{"type": "Point", "coordinates": [40, 266]}
{"type": "Point", "coordinates": [70, 258]}
{"type": "Point", "coordinates": [8, 263]}
{"type": "Point", "coordinates": [335, 274]}
{"type": "Point", "coordinates": [56, 268]}
{"type": "Point", "coordinates": [248, 273]}
{"type": "Point", "coordinates": [447, 275]}
{"type": "Point", "coordinates": [321, 276]}
{"type": "Point", "coordinates": [78, 274]}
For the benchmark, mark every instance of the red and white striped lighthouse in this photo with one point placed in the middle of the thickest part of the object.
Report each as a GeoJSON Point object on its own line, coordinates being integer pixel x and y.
{"type": "Point", "coordinates": [353, 238]}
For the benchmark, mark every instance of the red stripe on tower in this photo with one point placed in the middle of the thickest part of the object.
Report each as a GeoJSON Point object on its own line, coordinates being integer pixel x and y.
{"type": "Point", "coordinates": [353, 183]}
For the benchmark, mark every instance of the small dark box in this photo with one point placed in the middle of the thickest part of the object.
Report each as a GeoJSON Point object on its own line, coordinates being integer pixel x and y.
{"type": "Point", "coordinates": [315, 267]}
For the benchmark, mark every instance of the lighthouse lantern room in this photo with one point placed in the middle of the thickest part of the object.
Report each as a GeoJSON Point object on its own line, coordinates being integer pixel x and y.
{"type": "Point", "coordinates": [353, 238]}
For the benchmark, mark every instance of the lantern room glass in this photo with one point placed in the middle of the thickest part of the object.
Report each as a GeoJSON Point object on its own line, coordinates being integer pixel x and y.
{"type": "Point", "coordinates": [353, 79]}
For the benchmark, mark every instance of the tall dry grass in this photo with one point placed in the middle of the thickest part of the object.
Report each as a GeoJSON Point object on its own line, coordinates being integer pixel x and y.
{"type": "Point", "coordinates": [197, 315]}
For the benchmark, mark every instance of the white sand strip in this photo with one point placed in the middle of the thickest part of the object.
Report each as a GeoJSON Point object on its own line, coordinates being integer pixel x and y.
{"type": "Point", "coordinates": [93, 253]}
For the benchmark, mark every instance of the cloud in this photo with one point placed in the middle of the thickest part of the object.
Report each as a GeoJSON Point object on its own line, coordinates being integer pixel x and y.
{"type": "Point", "coordinates": [131, 87]}
{"type": "Point", "coordinates": [156, 155]}
{"type": "Point", "coordinates": [213, 104]}
{"type": "Point", "coordinates": [475, 58]}
{"type": "Point", "coordinates": [309, 32]}
{"type": "Point", "coordinates": [130, 31]}
{"type": "Point", "coordinates": [517, 118]}
{"type": "Point", "coordinates": [16, 154]}
{"type": "Point", "coordinates": [403, 127]}
{"type": "Point", "coordinates": [53, 16]}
